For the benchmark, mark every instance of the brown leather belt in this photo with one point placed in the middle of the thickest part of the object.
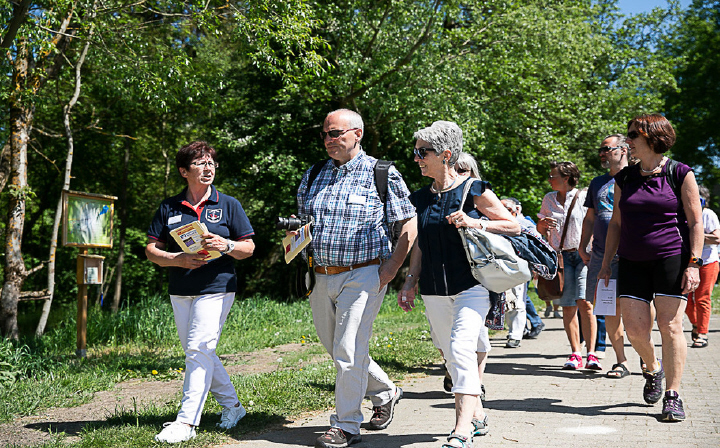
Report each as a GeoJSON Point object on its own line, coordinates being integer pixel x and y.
{"type": "Point", "coordinates": [332, 270]}
{"type": "Point", "coordinates": [569, 250]}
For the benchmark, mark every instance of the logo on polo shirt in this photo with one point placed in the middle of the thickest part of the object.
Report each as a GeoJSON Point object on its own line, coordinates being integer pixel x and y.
{"type": "Point", "coordinates": [214, 216]}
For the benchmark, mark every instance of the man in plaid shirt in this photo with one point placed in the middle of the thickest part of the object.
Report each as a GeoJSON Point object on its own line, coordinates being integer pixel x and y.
{"type": "Point", "coordinates": [353, 265]}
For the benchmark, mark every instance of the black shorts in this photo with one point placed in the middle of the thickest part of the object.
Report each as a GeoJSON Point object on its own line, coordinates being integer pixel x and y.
{"type": "Point", "coordinates": [643, 280]}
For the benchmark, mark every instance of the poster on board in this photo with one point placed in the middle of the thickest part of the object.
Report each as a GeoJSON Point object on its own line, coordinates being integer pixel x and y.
{"type": "Point", "coordinates": [87, 219]}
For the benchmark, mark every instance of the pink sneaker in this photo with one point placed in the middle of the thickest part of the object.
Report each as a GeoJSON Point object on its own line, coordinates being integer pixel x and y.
{"type": "Point", "coordinates": [574, 362]}
{"type": "Point", "coordinates": [592, 362]}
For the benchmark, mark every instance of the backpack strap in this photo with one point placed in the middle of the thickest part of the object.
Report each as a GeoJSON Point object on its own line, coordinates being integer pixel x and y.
{"type": "Point", "coordinates": [671, 175]}
{"type": "Point", "coordinates": [316, 168]}
{"type": "Point", "coordinates": [382, 168]}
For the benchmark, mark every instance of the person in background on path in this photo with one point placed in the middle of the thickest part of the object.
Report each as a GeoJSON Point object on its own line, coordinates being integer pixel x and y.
{"type": "Point", "coordinates": [536, 324]}
{"type": "Point", "coordinates": [354, 262]}
{"type": "Point", "coordinates": [658, 235]}
{"type": "Point", "coordinates": [699, 305]}
{"type": "Point", "coordinates": [555, 206]}
{"type": "Point", "coordinates": [201, 291]}
{"type": "Point", "coordinates": [456, 304]}
{"type": "Point", "coordinates": [465, 165]}
{"type": "Point", "coordinates": [518, 314]}
{"type": "Point", "coordinates": [613, 155]}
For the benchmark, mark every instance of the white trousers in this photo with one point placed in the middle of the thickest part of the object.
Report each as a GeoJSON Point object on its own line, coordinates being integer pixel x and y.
{"type": "Point", "coordinates": [344, 307]}
{"type": "Point", "coordinates": [458, 327]}
{"type": "Point", "coordinates": [199, 321]}
{"type": "Point", "coordinates": [516, 315]}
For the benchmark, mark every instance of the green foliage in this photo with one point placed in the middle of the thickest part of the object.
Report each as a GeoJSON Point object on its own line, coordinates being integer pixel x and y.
{"type": "Point", "coordinates": [528, 82]}
{"type": "Point", "coordinates": [694, 107]}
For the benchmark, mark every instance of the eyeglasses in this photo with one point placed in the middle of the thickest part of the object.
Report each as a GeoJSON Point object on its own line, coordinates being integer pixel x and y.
{"type": "Point", "coordinates": [462, 170]}
{"type": "Point", "coordinates": [335, 133]}
{"type": "Point", "coordinates": [422, 152]}
{"type": "Point", "coordinates": [603, 149]}
{"type": "Point", "coordinates": [632, 135]}
{"type": "Point", "coordinates": [208, 163]}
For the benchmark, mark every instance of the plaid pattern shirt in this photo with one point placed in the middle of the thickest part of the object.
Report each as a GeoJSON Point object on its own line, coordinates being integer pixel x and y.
{"type": "Point", "coordinates": [349, 217]}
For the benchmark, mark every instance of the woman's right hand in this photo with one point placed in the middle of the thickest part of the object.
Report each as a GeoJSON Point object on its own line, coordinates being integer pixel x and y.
{"type": "Point", "coordinates": [189, 261]}
{"type": "Point", "coordinates": [547, 223]}
{"type": "Point", "coordinates": [406, 295]}
{"type": "Point", "coordinates": [605, 274]}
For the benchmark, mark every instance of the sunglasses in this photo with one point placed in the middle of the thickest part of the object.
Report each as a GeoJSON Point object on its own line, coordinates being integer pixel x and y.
{"type": "Point", "coordinates": [335, 133]}
{"type": "Point", "coordinates": [422, 152]}
{"type": "Point", "coordinates": [632, 135]}
{"type": "Point", "coordinates": [603, 149]}
{"type": "Point", "coordinates": [462, 170]}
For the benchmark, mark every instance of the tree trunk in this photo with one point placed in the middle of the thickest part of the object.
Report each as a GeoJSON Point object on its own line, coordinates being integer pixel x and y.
{"type": "Point", "coordinates": [21, 117]}
{"type": "Point", "coordinates": [122, 206]}
{"type": "Point", "coordinates": [40, 329]}
{"type": "Point", "coordinates": [4, 165]}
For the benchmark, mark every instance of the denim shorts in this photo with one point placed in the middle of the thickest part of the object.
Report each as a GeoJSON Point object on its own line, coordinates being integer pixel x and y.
{"type": "Point", "coordinates": [574, 282]}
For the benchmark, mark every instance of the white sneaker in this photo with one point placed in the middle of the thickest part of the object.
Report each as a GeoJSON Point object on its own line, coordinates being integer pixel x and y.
{"type": "Point", "coordinates": [231, 416]}
{"type": "Point", "coordinates": [175, 432]}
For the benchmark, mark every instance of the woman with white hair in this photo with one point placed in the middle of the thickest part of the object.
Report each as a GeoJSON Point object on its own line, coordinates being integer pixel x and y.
{"type": "Point", "coordinates": [456, 304]}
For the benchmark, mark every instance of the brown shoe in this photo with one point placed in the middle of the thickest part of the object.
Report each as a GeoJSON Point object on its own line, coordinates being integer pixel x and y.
{"type": "Point", "coordinates": [336, 438]}
{"type": "Point", "coordinates": [383, 414]}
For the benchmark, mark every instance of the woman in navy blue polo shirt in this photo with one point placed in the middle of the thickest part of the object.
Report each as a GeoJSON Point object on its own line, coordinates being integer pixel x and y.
{"type": "Point", "coordinates": [456, 304]}
{"type": "Point", "coordinates": [202, 290]}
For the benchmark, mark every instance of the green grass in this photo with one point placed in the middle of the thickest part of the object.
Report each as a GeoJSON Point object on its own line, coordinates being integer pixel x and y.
{"type": "Point", "coordinates": [141, 342]}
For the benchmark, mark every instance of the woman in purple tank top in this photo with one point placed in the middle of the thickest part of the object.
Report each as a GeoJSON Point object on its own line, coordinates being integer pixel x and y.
{"type": "Point", "coordinates": [656, 229]}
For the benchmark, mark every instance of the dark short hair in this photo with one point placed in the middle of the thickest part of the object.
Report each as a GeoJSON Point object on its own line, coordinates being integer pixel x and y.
{"type": "Point", "coordinates": [192, 151]}
{"type": "Point", "coordinates": [569, 170]}
{"type": "Point", "coordinates": [656, 129]}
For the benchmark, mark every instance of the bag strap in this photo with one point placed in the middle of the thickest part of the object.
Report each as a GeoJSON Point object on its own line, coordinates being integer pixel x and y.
{"type": "Point", "coordinates": [466, 190]}
{"type": "Point", "coordinates": [567, 220]}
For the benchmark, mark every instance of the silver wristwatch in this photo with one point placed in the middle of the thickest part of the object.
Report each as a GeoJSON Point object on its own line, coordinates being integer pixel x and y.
{"type": "Point", "coordinates": [230, 247]}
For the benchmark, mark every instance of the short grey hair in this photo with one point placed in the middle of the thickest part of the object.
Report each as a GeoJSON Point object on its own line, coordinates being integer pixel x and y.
{"type": "Point", "coordinates": [516, 202]}
{"type": "Point", "coordinates": [353, 118]}
{"type": "Point", "coordinates": [443, 136]}
{"type": "Point", "coordinates": [467, 162]}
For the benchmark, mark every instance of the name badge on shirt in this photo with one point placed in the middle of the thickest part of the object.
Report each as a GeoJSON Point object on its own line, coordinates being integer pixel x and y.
{"type": "Point", "coordinates": [174, 219]}
{"type": "Point", "coordinates": [356, 199]}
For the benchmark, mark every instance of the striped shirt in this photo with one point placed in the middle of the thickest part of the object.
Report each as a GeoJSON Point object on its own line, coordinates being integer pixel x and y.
{"type": "Point", "coordinates": [349, 217]}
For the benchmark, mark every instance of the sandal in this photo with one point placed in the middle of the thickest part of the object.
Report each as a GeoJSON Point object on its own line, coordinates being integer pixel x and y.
{"type": "Point", "coordinates": [458, 441]}
{"type": "Point", "coordinates": [618, 371]}
{"type": "Point", "coordinates": [700, 342]}
{"type": "Point", "coordinates": [480, 427]}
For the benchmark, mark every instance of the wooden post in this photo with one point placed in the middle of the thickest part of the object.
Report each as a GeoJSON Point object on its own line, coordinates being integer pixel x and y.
{"type": "Point", "coordinates": [81, 351]}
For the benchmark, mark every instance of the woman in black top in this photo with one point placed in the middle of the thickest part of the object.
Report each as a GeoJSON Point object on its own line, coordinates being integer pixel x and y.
{"type": "Point", "coordinates": [456, 304]}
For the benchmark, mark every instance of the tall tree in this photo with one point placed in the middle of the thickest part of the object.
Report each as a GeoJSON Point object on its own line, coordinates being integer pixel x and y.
{"type": "Point", "coordinates": [40, 37]}
{"type": "Point", "coordinates": [694, 107]}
